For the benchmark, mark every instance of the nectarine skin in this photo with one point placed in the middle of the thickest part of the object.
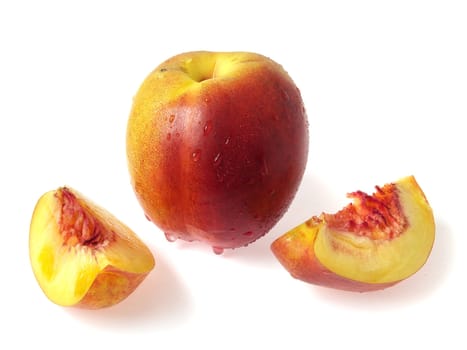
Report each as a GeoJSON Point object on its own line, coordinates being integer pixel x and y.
{"type": "Point", "coordinates": [217, 144]}
{"type": "Point", "coordinates": [371, 244]}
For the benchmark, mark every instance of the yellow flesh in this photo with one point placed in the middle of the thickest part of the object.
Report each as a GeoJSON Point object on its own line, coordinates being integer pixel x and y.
{"type": "Point", "coordinates": [66, 273]}
{"type": "Point", "coordinates": [379, 261]}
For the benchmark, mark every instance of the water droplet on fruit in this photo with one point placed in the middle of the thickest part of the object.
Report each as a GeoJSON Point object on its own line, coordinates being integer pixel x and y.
{"type": "Point", "coordinates": [170, 237]}
{"type": "Point", "coordinates": [172, 118]}
{"type": "Point", "coordinates": [196, 155]}
{"type": "Point", "coordinates": [217, 250]}
{"type": "Point", "coordinates": [207, 128]}
{"type": "Point", "coordinates": [285, 95]}
{"type": "Point", "coordinates": [227, 141]}
{"type": "Point", "coordinates": [217, 159]}
{"type": "Point", "coordinates": [264, 168]}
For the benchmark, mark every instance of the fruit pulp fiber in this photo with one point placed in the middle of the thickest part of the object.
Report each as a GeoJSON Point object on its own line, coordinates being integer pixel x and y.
{"type": "Point", "coordinates": [77, 225]}
{"type": "Point", "coordinates": [378, 216]}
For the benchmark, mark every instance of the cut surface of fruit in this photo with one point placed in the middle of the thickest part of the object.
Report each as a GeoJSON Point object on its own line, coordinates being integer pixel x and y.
{"type": "Point", "coordinates": [378, 216]}
{"type": "Point", "coordinates": [372, 243]}
{"type": "Point", "coordinates": [81, 255]}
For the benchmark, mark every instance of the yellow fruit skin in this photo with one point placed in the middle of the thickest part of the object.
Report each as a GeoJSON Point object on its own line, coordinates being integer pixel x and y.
{"type": "Point", "coordinates": [73, 273]}
{"type": "Point", "coordinates": [314, 253]}
{"type": "Point", "coordinates": [110, 287]}
{"type": "Point", "coordinates": [217, 144]}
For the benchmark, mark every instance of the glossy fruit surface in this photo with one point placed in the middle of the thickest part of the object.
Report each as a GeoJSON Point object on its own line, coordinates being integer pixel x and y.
{"type": "Point", "coordinates": [217, 144]}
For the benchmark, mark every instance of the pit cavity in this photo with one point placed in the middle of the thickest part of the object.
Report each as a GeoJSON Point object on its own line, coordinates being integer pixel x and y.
{"type": "Point", "coordinates": [78, 225]}
{"type": "Point", "coordinates": [379, 216]}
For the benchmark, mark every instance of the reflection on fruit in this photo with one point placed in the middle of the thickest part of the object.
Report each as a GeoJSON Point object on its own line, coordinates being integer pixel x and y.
{"type": "Point", "coordinates": [371, 244]}
{"type": "Point", "coordinates": [217, 145]}
{"type": "Point", "coordinates": [82, 255]}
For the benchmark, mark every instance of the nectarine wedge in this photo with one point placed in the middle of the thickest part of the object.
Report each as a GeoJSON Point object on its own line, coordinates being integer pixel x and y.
{"type": "Point", "coordinates": [371, 244]}
{"type": "Point", "coordinates": [81, 255]}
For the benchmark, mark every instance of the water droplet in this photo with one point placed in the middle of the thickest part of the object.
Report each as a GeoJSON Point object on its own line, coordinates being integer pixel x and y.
{"type": "Point", "coordinates": [264, 168]}
{"type": "Point", "coordinates": [207, 128]}
{"type": "Point", "coordinates": [196, 155]}
{"type": "Point", "coordinates": [217, 250]}
{"type": "Point", "coordinates": [227, 141]}
{"type": "Point", "coordinates": [170, 237]}
{"type": "Point", "coordinates": [169, 136]}
{"type": "Point", "coordinates": [248, 233]}
{"type": "Point", "coordinates": [171, 118]}
{"type": "Point", "coordinates": [285, 95]}
{"type": "Point", "coordinates": [217, 159]}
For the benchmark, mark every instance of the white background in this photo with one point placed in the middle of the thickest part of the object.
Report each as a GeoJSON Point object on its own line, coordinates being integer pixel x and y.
{"type": "Point", "coordinates": [385, 87]}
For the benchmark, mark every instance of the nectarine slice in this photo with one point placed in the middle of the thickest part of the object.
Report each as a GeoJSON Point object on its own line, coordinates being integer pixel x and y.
{"type": "Point", "coordinates": [83, 256]}
{"type": "Point", "coordinates": [371, 244]}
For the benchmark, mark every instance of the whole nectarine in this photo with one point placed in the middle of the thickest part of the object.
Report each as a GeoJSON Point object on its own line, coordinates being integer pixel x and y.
{"type": "Point", "coordinates": [217, 145]}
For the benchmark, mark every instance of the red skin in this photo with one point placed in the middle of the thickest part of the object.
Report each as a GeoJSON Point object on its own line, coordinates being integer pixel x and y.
{"type": "Point", "coordinates": [224, 163]}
